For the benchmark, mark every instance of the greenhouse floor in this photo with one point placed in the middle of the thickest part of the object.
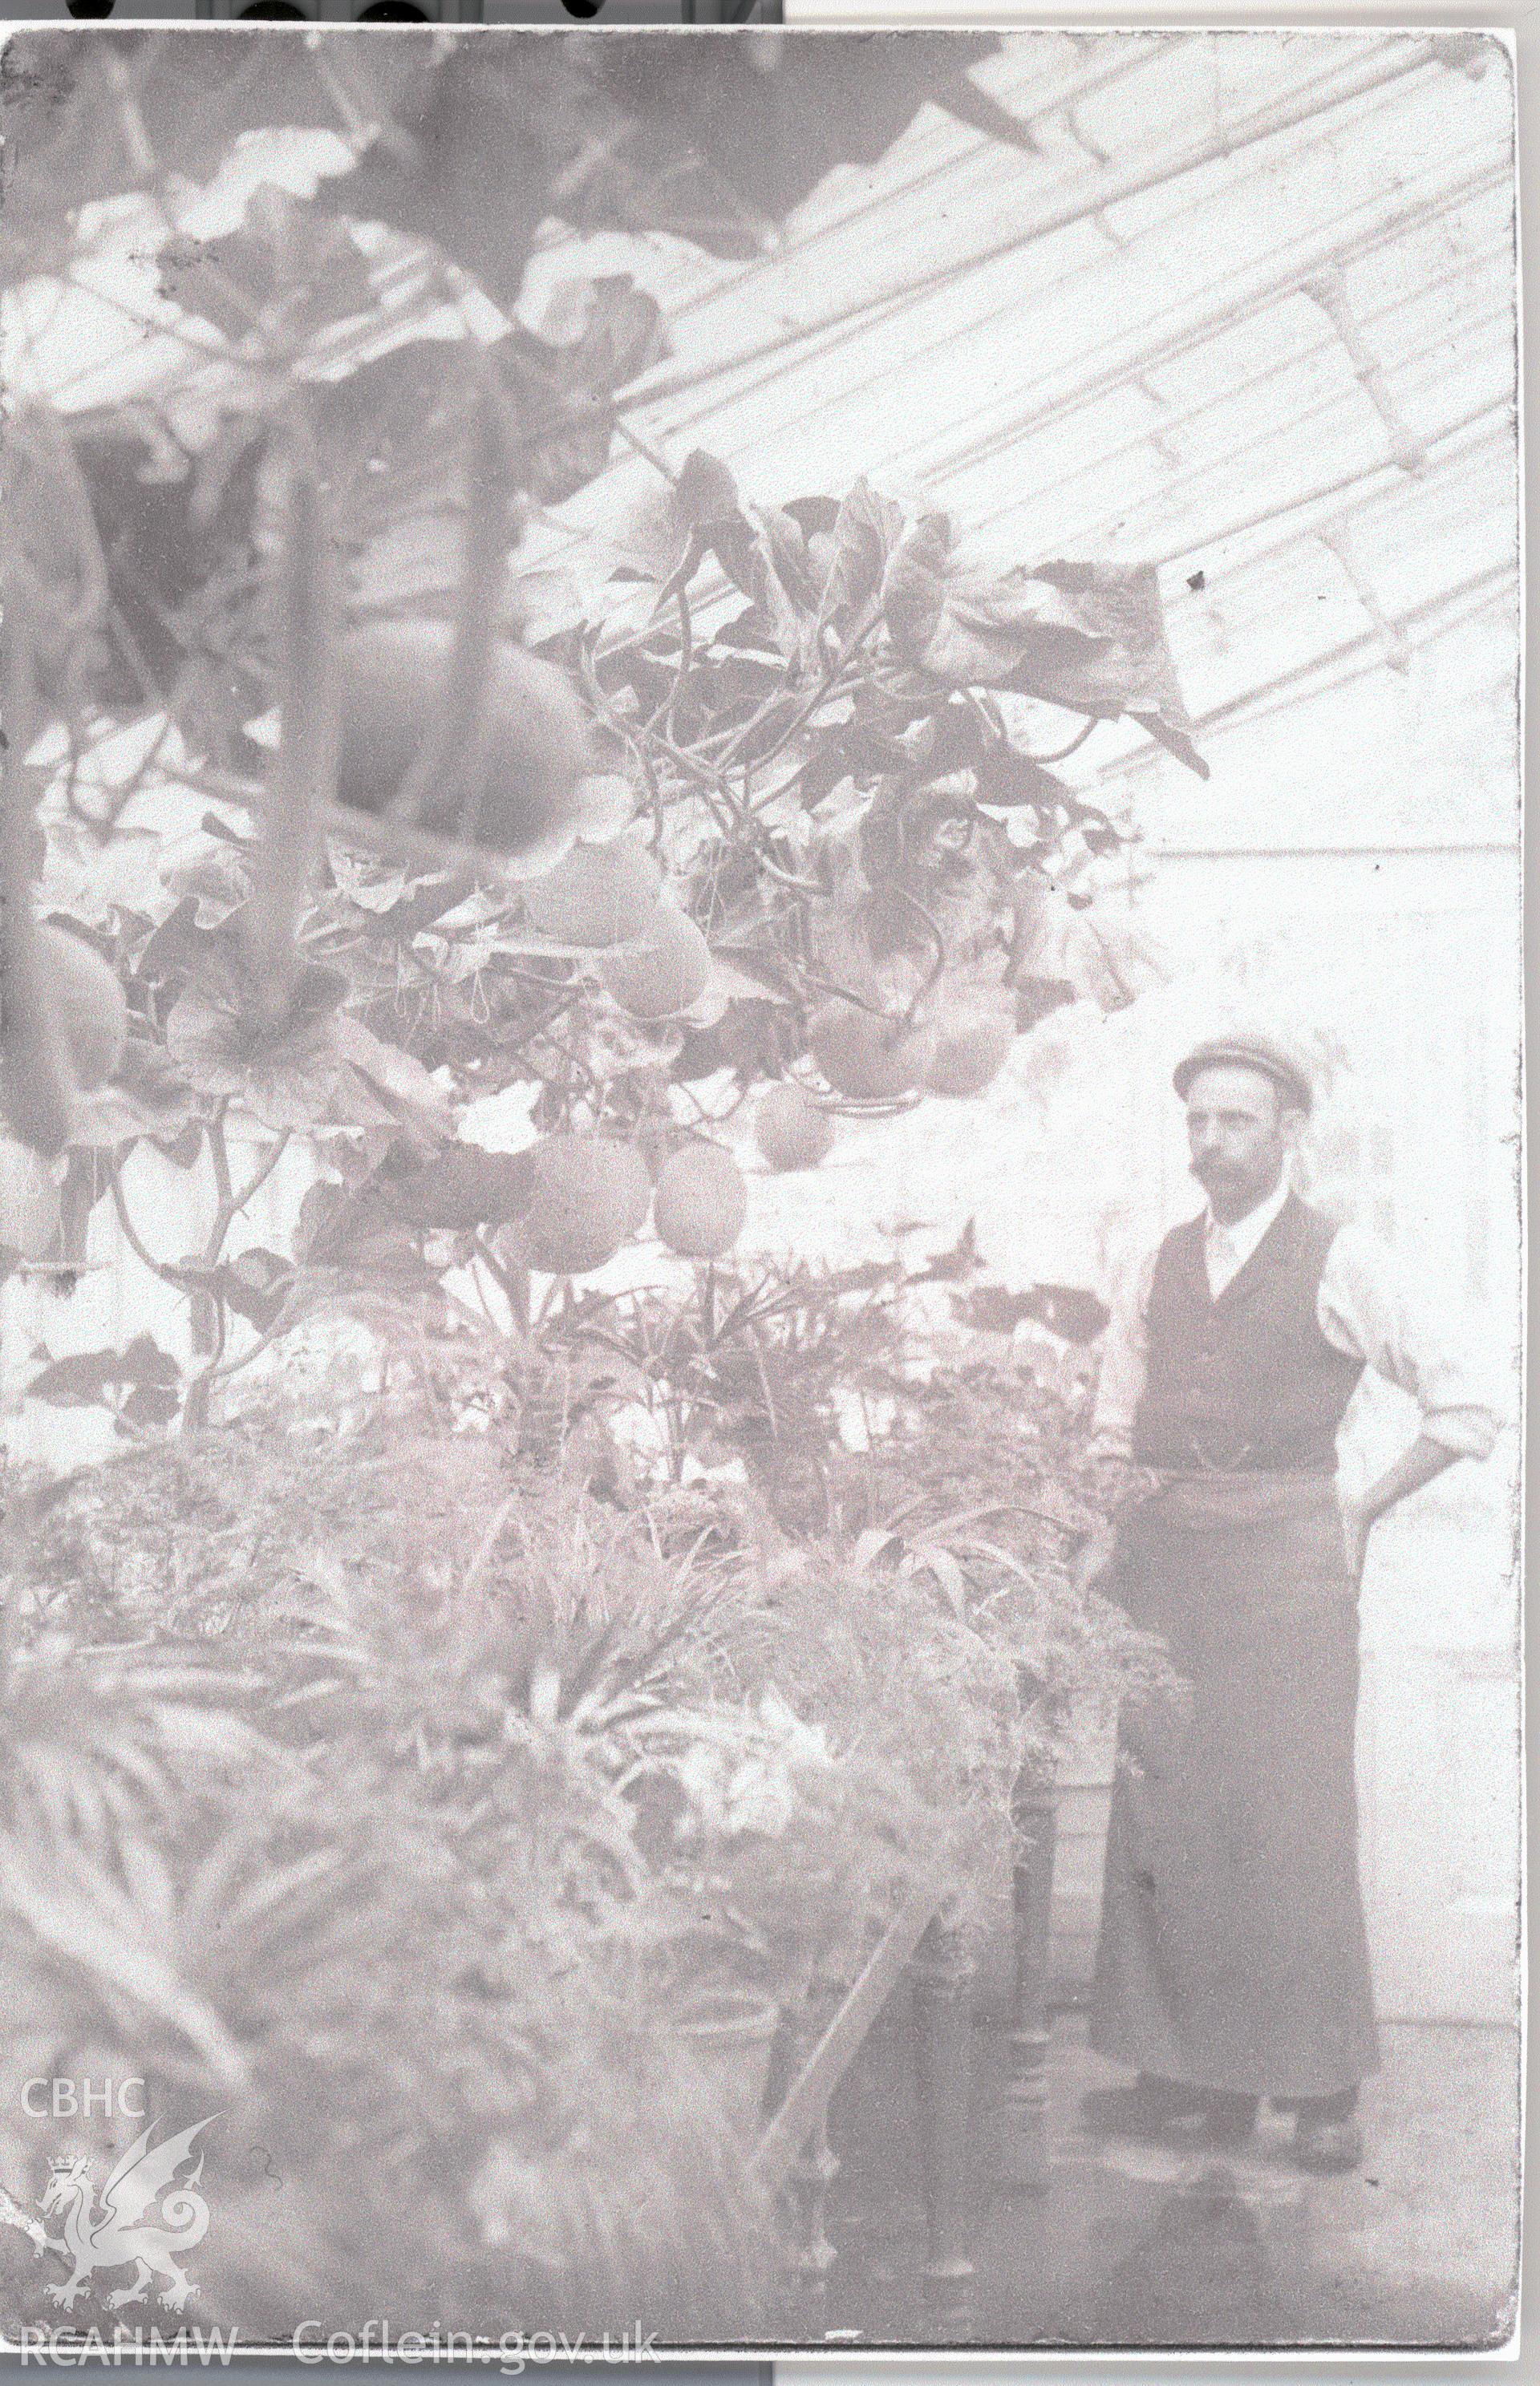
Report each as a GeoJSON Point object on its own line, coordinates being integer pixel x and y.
{"type": "Point", "coordinates": [1134, 2246]}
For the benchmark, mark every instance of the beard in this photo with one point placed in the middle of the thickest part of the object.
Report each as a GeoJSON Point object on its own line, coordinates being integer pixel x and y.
{"type": "Point", "coordinates": [1222, 1176]}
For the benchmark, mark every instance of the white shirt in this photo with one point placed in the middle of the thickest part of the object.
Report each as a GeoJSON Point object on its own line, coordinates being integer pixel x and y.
{"type": "Point", "coordinates": [1362, 1309]}
{"type": "Point", "coordinates": [1227, 1248]}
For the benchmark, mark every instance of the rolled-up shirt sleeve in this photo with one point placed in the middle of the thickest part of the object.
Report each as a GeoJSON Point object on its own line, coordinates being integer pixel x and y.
{"type": "Point", "coordinates": [1120, 1384]}
{"type": "Point", "coordinates": [1367, 1310]}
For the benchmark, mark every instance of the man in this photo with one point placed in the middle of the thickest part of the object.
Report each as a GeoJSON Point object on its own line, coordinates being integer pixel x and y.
{"type": "Point", "coordinates": [1232, 1962]}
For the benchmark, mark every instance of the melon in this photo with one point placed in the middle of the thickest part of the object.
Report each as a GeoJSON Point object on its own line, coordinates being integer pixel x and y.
{"type": "Point", "coordinates": [588, 1194]}
{"type": "Point", "coordinates": [664, 974]}
{"type": "Point", "coordinates": [700, 1202]}
{"type": "Point", "coordinates": [93, 1010]}
{"type": "Point", "coordinates": [598, 895]}
{"type": "Point", "coordinates": [28, 1202]}
{"type": "Point", "coordinates": [868, 1056]}
{"type": "Point", "coordinates": [790, 1129]}
{"type": "Point", "coordinates": [972, 1046]}
{"type": "Point", "coordinates": [535, 757]}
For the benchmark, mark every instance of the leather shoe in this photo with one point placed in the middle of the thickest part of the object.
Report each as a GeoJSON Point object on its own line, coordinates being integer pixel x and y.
{"type": "Point", "coordinates": [1168, 2113]}
{"type": "Point", "coordinates": [1328, 2145]}
{"type": "Point", "coordinates": [1220, 2120]}
{"type": "Point", "coordinates": [1145, 2108]}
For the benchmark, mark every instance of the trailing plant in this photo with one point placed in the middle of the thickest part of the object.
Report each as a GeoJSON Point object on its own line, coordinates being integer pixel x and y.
{"type": "Point", "coordinates": [772, 814]}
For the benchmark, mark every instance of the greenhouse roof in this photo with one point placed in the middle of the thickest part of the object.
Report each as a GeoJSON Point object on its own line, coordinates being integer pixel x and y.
{"type": "Point", "coordinates": [1241, 305]}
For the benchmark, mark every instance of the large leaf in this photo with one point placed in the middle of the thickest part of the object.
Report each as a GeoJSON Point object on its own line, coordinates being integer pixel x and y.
{"type": "Point", "coordinates": [1091, 948]}
{"type": "Point", "coordinates": [287, 1074]}
{"type": "Point", "coordinates": [1135, 670]}
{"type": "Point", "coordinates": [286, 274]}
{"type": "Point", "coordinates": [146, 1097]}
{"type": "Point", "coordinates": [1008, 779]}
{"type": "Point", "coordinates": [727, 138]}
{"type": "Point", "coordinates": [487, 127]}
{"type": "Point", "coordinates": [1089, 636]}
{"type": "Point", "coordinates": [217, 880]}
{"type": "Point", "coordinates": [713, 139]}
{"type": "Point", "coordinates": [976, 629]}
{"type": "Point", "coordinates": [393, 436]}
{"type": "Point", "coordinates": [71, 139]}
{"type": "Point", "coordinates": [256, 1284]}
{"type": "Point", "coordinates": [707, 516]}
{"type": "Point", "coordinates": [1074, 1314]}
{"type": "Point", "coordinates": [141, 1383]}
{"type": "Point", "coordinates": [596, 337]}
{"type": "Point", "coordinates": [177, 542]}
{"type": "Point", "coordinates": [400, 1080]}
{"type": "Point", "coordinates": [462, 1187]}
{"type": "Point", "coordinates": [865, 529]}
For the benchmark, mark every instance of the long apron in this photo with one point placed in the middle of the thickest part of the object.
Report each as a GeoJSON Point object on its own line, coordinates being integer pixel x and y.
{"type": "Point", "coordinates": [1232, 1952]}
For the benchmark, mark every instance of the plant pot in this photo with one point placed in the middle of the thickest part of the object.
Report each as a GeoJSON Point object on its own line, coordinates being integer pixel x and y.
{"type": "Point", "coordinates": [732, 2034]}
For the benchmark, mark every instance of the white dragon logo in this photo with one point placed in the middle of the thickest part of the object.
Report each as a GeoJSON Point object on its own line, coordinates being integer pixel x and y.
{"type": "Point", "coordinates": [119, 2233]}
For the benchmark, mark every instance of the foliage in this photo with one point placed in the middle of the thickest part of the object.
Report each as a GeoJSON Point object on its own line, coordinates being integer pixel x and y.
{"type": "Point", "coordinates": [410, 1815]}
{"type": "Point", "coordinates": [463, 146]}
{"type": "Point", "coordinates": [416, 1913]}
{"type": "Point", "coordinates": [416, 1776]}
{"type": "Point", "coordinates": [822, 716]}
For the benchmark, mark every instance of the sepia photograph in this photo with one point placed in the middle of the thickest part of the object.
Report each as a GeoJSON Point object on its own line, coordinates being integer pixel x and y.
{"type": "Point", "coordinates": [761, 1252]}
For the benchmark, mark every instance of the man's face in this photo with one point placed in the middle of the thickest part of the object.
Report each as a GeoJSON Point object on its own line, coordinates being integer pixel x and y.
{"type": "Point", "coordinates": [1238, 1132]}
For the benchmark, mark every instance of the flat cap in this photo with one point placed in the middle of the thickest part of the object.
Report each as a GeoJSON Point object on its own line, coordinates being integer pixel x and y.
{"type": "Point", "coordinates": [1246, 1050]}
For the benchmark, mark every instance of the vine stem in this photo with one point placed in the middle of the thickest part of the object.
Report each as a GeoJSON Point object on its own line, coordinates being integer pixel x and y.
{"type": "Point", "coordinates": [686, 665]}
{"type": "Point", "coordinates": [194, 1408]}
{"type": "Point", "coordinates": [195, 1411]}
{"type": "Point", "coordinates": [302, 779]}
{"type": "Point", "coordinates": [856, 639]}
{"type": "Point", "coordinates": [938, 966]}
{"type": "Point", "coordinates": [284, 1323]}
{"type": "Point", "coordinates": [839, 992]}
{"type": "Point", "coordinates": [219, 1153]}
{"type": "Point", "coordinates": [1061, 753]}
{"type": "Point", "coordinates": [164, 1269]}
{"type": "Point", "coordinates": [40, 1080]}
{"type": "Point", "coordinates": [513, 1283]}
{"type": "Point", "coordinates": [230, 1202]}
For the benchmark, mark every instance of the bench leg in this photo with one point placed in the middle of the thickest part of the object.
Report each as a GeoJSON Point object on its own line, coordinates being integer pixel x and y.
{"type": "Point", "coordinates": [813, 2174]}
{"type": "Point", "coordinates": [942, 1977]}
{"type": "Point", "coordinates": [1021, 2154]}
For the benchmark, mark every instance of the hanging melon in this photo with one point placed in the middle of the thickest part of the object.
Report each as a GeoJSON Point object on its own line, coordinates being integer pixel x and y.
{"type": "Point", "coordinates": [532, 758]}
{"type": "Point", "coordinates": [790, 1129]}
{"type": "Point", "coordinates": [588, 1196]}
{"type": "Point", "coordinates": [666, 973]}
{"type": "Point", "coordinates": [598, 895]}
{"type": "Point", "coordinates": [973, 1044]}
{"type": "Point", "coordinates": [867, 1056]}
{"type": "Point", "coordinates": [700, 1202]}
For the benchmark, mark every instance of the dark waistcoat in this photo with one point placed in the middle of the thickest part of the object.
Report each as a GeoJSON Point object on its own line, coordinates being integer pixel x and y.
{"type": "Point", "coordinates": [1249, 1380]}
